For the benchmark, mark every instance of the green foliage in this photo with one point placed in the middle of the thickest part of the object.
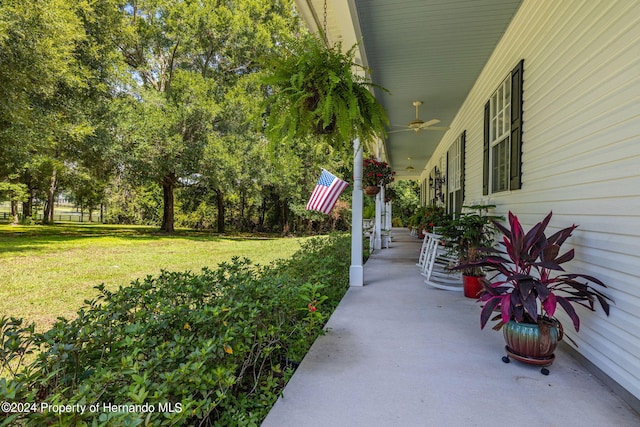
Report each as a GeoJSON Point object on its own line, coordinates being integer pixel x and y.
{"type": "Point", "coordinates": [192, 92]}
{"type": "Point", "coordinates": [216, 345]}
{"type": "Point", "coordinates": [315, 90]}
{"type": "Point", "coordinates": [429, 218]}
{"type": "Point", "coordinates": [469, 232]}
{"type": "Point", "coordinates": [140, 205]}
{"type": "Point", "coordinates": [203, 217]}
{"type": "Point", "coordinates": [369, 210]}
{"type": "Point", "coordinates": [407, 199]}
{"type": "Point", "coordinates": [13, 192]}
{"type": "Point", "coordinates": [124, 95]}
{"type": "Point", "coordinates": [37, 42]}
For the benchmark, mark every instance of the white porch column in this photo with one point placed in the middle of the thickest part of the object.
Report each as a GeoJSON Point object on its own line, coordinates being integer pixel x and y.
{"type": "Point", "coordinates": [377, 230]}
{"type": "Point", "coordinates": [389, 215]}
{"type": "Point", "coordinates": [356, 271]}
{"type": "Point", "coordinates": [383, 210]}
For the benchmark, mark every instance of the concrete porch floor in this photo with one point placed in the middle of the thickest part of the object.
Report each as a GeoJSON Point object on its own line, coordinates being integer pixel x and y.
{"type": "Point", "coordinates": [400, 353]}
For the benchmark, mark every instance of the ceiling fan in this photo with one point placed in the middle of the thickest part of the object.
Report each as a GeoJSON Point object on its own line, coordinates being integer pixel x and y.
{"type": "Point", "coordinates": [419, 124]}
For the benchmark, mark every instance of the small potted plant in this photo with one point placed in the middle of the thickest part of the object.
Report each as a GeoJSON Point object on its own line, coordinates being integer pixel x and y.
{"type": "Point", "coordinates": [433, 219]}
{"type": "Point", "coordinates": [464, 235]}
{"type": "Point", "coordinates": [375, 174]}
{"type": "Point", "coordinates": [528, 287]}
{"type": "Point", "coordinates": [317, 89]}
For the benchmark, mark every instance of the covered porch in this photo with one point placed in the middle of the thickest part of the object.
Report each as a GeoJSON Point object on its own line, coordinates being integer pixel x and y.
{"type": "Point", "coordinates": [400, 353]}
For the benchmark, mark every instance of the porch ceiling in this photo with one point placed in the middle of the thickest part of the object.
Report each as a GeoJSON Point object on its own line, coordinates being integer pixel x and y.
{"type": "Point", "coordinates": [420, 50]}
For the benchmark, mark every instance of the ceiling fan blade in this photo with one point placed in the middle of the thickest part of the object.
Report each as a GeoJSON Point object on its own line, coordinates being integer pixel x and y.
{"type": "Point", "coordinates": [440, 128]}
{"type": "Point", "coordinates": [429, 123]}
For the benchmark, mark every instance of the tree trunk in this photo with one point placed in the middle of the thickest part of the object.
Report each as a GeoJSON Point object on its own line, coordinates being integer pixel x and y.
{"type": "Point", "coordinates": [242, 222]}
{"type": "Point", "coordinates": [47, 216]}
{"type": "Point", "coordinates": [168, 184]}
{"type": "Point", "coordinates": [285, 218]}
{"type": "Point", "coordinates": [27, 207]}
{"type": "Point", "coordinates": [14, 212]}
{"type": "Point", "coordinates": [263, 212]}
{"type": "Point", "coordinates": [220, 202]}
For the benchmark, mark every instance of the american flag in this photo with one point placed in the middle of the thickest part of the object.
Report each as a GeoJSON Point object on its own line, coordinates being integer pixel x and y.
{"type": "Point", "coordinates": [326, 193]}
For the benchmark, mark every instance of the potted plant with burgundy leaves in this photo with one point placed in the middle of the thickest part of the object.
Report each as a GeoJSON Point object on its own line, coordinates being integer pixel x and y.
{"type": "Point", "coordinates": [528, 287]}
{"type": "Point", "coordinates": [375, 174]}
{"type": "Point", "coordinates": [464, 235]}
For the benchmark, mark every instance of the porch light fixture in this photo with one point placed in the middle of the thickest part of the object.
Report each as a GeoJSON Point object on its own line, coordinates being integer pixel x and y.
{"type": "Point", "coordinates": [409, 168]}
{"type": "Point", "coordinates": [437, 180]}
{"type": "Point", "coordinates": [435, 183]}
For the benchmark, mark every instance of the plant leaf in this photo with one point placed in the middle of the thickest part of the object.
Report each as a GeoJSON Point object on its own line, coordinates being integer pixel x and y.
{"type": "Point", "coordinates": [549, 304]}
{"type": "Point", "coordinates": [505, 308]}
{"type": "Point", "coordinates": [485, 314]}
{"type": "Point", "coordinates": [566, 305]}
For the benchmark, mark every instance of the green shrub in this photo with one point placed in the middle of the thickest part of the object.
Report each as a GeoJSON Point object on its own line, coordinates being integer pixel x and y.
{"type": "Point", "coordinates": [213, 348]}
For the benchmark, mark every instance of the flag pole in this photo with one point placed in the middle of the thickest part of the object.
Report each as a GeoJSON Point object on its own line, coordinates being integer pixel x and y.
{"type": "Point", "coordinates": [356, 271]}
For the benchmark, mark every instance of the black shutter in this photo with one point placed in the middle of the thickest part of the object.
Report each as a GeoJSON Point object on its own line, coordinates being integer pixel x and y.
{"type": "Point", "coordinates": [485, 168]}
{"type": "Point", "coordinates": [515, 169]}
{"type": "Point", "coordinates": [463, 144]}
{"type": "Point", "coordinates": [448, 199]}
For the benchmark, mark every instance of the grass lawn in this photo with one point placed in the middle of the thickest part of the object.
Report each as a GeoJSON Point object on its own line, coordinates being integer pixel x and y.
{"type": "Point", "coordinates": [49, 271]}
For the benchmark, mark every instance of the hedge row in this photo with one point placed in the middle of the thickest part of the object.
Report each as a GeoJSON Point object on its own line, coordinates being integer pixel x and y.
{"type": "Point", "coordinates": [213, 348]}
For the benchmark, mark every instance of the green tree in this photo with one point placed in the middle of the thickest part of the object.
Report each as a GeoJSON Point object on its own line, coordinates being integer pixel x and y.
{"type": "Point", "coordinates": [186, 57]}
{"type": "Point", "coordinates": [407, 200]}
{"type": "Point", "coordinates": [37, 42]}
{"type": "Point", "coordinates": [86, 191]}
{"type": "Point", "coordinates": [57, 65]}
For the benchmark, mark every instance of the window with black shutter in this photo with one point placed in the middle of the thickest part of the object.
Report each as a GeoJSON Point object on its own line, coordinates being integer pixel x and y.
{"type": "Point", "coordinates": [455, 174]}
{"type": "Point", "coordinates": [503, 135]}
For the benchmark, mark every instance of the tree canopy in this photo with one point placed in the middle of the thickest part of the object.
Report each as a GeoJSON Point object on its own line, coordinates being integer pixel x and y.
{"type": "Point", "coordinates": [152, 109]}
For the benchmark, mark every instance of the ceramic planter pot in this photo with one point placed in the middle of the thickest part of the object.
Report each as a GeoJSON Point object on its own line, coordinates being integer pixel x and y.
{"type": "Point", "coordinates": [532, 343]}
{"type": "Point", "coordinates": [371, 190]}
{"type": "Point", "coordinates": [471, 286]}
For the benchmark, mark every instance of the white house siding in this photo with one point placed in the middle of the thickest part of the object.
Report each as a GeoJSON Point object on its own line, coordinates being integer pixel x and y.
{"type": "Point", "coordinates": [581, 153]}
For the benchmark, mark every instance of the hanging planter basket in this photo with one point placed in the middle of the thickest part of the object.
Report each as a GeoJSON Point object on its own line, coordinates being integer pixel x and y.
{"type": "Point", "coordinates": [371, 190]}
{"type": "Point", "coordinates": [315, 91]}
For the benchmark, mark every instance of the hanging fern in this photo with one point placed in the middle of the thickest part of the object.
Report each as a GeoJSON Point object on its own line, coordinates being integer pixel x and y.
{"type": "Point", "coordinates": [314, 89]}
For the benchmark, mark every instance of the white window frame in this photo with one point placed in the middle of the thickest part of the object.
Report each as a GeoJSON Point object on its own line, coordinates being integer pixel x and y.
{"type": "Point", "coordinates": [454, 166]}
{"type": "Point", "coordinates": [500, 137]}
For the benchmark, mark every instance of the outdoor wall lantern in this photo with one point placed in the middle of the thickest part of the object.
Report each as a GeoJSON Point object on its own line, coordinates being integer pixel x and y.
{"type": "Point", "coordinates": [435, 183]}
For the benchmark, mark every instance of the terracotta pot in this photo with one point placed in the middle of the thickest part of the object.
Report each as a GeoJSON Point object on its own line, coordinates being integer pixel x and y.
{"type": "Point", "coordinates": [371, 190]}
{"type": "Point", "coordinates": [472, 286]}
{"type": "Point", "coordinates": [531, 343]}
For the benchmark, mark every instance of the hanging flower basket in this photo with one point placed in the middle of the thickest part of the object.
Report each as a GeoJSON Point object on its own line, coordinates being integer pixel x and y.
{"type": "Point", "coordinates": [376, 173]}
{"type": "Point", "coordinates": [371, 190]}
